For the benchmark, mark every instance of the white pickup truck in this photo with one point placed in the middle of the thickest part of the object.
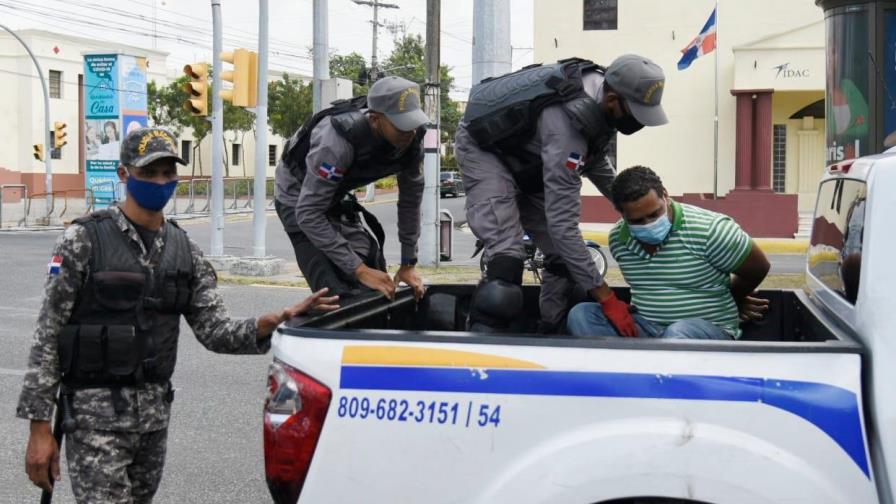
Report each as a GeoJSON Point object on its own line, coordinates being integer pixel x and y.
{"type": "Point", "coordinates": [392, 402]}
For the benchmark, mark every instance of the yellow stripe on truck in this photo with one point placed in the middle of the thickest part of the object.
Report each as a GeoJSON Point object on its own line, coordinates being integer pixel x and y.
{"type": "Point", "coordinates": [387, 355]}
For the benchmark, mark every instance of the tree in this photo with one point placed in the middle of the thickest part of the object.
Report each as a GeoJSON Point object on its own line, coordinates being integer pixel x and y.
{"type": "Point", "coordinates": [165, 108]}
{"type": "Point", "coordinates": [351, 67]}
{"type": "Point", "coordinates": [238, 120]}
{"type": "Point", "coordinates": [289, 105]}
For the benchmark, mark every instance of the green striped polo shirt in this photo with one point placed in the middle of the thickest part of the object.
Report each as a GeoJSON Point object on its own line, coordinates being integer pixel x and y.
{"type": "Point", "coordinates": [690, 274]}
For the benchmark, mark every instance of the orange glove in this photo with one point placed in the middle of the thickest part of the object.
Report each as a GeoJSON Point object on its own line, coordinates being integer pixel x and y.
{"type": "Point", "coordinates": [617, 312]}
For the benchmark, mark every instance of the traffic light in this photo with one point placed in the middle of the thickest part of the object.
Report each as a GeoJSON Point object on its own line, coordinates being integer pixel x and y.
{"type": "Point", "coordinates": [244, 77]}
{"type": "Point", "coordinates": [59, 134]}
{"type": "Point", "coordinates": [38, 152]}
{"type": "Point", "coordinates": [197, 89]}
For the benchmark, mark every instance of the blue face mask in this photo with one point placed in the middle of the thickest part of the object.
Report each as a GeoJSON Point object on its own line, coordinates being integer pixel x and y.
{"type": "Point", "coordinates": [653, 233]}
{"type": "Point", "coordinates": [150, 195]}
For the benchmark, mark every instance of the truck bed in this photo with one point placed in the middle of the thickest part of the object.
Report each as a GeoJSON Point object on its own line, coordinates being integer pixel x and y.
{"type": "Point", "coordinates": [792, 323]}
{"type": "Point", "coordinates": [423, 411]}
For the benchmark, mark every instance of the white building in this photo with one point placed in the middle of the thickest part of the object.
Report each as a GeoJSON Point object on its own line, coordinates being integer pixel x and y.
{"type": "Point", "coordinates": [771, 99]}
{"type": "Point", "coordinates": [61, 58]}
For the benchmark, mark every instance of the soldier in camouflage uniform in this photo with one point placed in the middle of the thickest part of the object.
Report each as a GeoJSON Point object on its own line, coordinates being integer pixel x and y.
{"type": "Point", "coordinates": [118, 282]}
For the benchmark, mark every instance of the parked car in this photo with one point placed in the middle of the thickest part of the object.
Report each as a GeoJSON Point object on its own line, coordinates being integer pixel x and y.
{"type": "Point", "coordinates": [450, 183]}
{"type": "Point", "coordinates": [394, 401]}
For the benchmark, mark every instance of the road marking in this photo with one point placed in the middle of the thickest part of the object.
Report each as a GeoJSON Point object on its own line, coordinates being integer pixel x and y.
{"type": "Point", "coordinates": [13, 372]}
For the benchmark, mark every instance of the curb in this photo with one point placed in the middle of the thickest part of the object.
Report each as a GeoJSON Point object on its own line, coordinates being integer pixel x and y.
{"type": "Point", "coordinates": [768, 245]}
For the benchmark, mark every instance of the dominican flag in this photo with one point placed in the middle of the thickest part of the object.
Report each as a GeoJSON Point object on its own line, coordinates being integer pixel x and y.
{"type": "Point", "coordinates": [330, 172]}
{"type": "Point", "coordinates": [55, 265]}
{"type": "Point", "coordinates": [704, 43]}
{"type": "Point", "coordinates": [574, 160]}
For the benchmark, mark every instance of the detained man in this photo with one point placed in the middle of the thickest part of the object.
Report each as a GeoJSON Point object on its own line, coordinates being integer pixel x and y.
{"type": "Point", "coordinates": [692, 271]}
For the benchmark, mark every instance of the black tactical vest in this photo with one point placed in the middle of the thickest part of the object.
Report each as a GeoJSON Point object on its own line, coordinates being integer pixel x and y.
{"type": "Point", "coordinates": [124, 328]}
{"type": "Point", "coordinates": [373, 157]}
{"type": "Point", "coordinates": [502, 114]}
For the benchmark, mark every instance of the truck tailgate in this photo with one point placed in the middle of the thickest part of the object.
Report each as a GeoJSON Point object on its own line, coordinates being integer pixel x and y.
{"type": "Point", "coordinates": [450, 419]}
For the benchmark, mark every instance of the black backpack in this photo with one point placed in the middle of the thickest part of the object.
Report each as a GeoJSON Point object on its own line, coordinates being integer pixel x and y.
{"type": "Point", "coordinates": [296, 148]}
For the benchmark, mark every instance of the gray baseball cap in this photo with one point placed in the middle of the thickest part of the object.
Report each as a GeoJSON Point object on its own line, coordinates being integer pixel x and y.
{"type": "Point", "coordinates": [399, 100]}
{"type": "Point", "coordinates": [145, 145]}
{"type": "Point", "coordinates": [641, 82]}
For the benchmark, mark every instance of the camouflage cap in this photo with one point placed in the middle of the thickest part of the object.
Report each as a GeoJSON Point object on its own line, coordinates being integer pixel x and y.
{"type": "Point", "coordinates": [145, 145]}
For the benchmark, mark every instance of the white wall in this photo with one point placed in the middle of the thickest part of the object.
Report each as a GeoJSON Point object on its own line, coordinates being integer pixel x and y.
{"type": "Point", "coordinates": [682, 151]}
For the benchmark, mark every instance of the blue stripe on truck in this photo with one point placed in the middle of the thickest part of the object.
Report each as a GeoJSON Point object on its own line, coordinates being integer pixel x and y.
{"type": "Point", "coordinates": [832, 409]}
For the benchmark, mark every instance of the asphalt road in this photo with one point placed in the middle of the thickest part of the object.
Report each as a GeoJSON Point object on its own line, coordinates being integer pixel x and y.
{"type": "Point", "coordinates": [238, 237]}
{"type": "Point", "coordinates": [238, 234]}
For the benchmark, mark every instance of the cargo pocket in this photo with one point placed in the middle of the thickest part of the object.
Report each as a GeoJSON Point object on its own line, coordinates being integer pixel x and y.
{"type": "Point", "coordinates": [67, 342]}
{"type": "Point", "coordinates": [90, 349]}
{"type": "Point", "coordinates": [121, 350]}
{"type": "Point", "coordinates": [118, 290]}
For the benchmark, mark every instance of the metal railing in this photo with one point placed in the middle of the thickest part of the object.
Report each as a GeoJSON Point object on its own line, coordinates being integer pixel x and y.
{"type": "Point", "coordinates": [24, 197]}
{"type": "Point", "coordinates": [193, 201]}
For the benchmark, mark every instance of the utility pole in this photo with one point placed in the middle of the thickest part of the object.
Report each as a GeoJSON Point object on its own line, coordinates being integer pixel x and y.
{"type": "Point", "coordinates": [48, 181]}
{"type": "Point", "coordinates": [374, 65]}
{"type": "Point", "coordinates": [261, 135]}
{"type": "Point", "coordinates": [376, 4]}
{"type": "Point", "coordinates": [491, 39]}
{"type": "Point", "coordinates": [429, 232]}
{"type": "Point", "coordinates": [216, 194]}
{"type": "Point", "coordinates": [321, 51]}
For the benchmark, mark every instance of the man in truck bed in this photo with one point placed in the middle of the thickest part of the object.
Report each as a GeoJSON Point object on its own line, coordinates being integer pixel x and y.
{"type": "Point", "coordinates": [691, 271]}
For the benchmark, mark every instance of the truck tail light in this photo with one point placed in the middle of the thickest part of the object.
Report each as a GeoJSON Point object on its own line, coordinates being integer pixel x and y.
{"type": "Point", "coordinates": [294, 412]}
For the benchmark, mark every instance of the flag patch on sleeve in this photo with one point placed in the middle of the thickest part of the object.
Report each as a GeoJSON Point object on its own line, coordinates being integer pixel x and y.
{"type": "Point", "coordinates": [55, 265]}
{"type": "Point", "coordinates": [330, 172]}
{"type": "Point", "coordinates": [574, 160]}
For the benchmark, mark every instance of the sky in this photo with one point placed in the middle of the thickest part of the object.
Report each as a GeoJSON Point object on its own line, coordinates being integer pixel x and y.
{"type": "Point", "coordinates": [183, 28]}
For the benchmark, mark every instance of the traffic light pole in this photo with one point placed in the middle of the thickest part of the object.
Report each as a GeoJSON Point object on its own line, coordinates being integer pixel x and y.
{"type": "Point", "coordinates": [216, 194]}
{"type": "Point", "coordinates": [47, 155]}
{"type": "Point", "coordinates": [261, 132]}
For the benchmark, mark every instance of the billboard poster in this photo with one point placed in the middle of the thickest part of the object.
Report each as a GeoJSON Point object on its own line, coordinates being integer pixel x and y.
{"type": "Point", "coordinates": [115, 105]}
{"type": "Point", "coordinates": [847, 120]}
{"type": "Point", "coordinates": [889, 64]}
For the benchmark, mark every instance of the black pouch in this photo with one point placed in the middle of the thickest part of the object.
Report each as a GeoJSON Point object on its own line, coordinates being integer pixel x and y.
{"type": "Point", "coordinates": [118, 290]}
{"type": "Point", "coordinates": [121, 350]}
{"type": "Point", "coordinates": [67, 342]}
{"type": "Point", "coordinates": [90, 349]}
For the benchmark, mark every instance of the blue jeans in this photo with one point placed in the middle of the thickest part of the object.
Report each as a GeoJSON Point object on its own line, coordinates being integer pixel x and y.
{"type": "Point", "coordinates": [588, 319]}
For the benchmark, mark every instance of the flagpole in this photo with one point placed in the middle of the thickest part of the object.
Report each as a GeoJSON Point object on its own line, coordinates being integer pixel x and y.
{"type": "Point", "coordinates": [715, 174]}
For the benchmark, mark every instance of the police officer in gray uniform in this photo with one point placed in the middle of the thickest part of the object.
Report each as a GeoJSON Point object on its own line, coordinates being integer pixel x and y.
{"type": "Point", "coordinates": [117, 284]}
{"type": "Point", "coordinates": [347, 146]}
{"type": "Point", "coordinates": [525, 141]}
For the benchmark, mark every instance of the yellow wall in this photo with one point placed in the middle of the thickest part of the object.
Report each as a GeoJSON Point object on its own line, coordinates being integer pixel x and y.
{"type": "Point", "coordinates": [682, 151]}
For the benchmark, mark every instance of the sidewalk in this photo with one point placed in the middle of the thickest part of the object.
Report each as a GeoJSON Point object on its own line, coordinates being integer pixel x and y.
{"type": "Point", "coordinates": [599, 232]}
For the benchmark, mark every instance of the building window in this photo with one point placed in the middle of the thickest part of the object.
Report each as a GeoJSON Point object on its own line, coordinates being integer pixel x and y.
{"type": "Point", "coordinates": [55, 84]}
{"type": "Point", "coordinates": [235, 154]}
{"type": "Point", "coordinates": [779, 157]}
{"type": "Point", "coordinates": [54, 152]}
{"type": "Point", "coordinates": [186, 148]}
{"type": "Point", "coordinates": [835, 252]}
{"type": "Point", "coordinates": [272, 155]}
{"type": "Point", "coordinates": [600, 14]}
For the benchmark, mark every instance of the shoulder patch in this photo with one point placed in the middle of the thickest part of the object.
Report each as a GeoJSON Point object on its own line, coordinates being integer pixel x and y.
{"type": "Point", "coordinates": [330, 172]}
